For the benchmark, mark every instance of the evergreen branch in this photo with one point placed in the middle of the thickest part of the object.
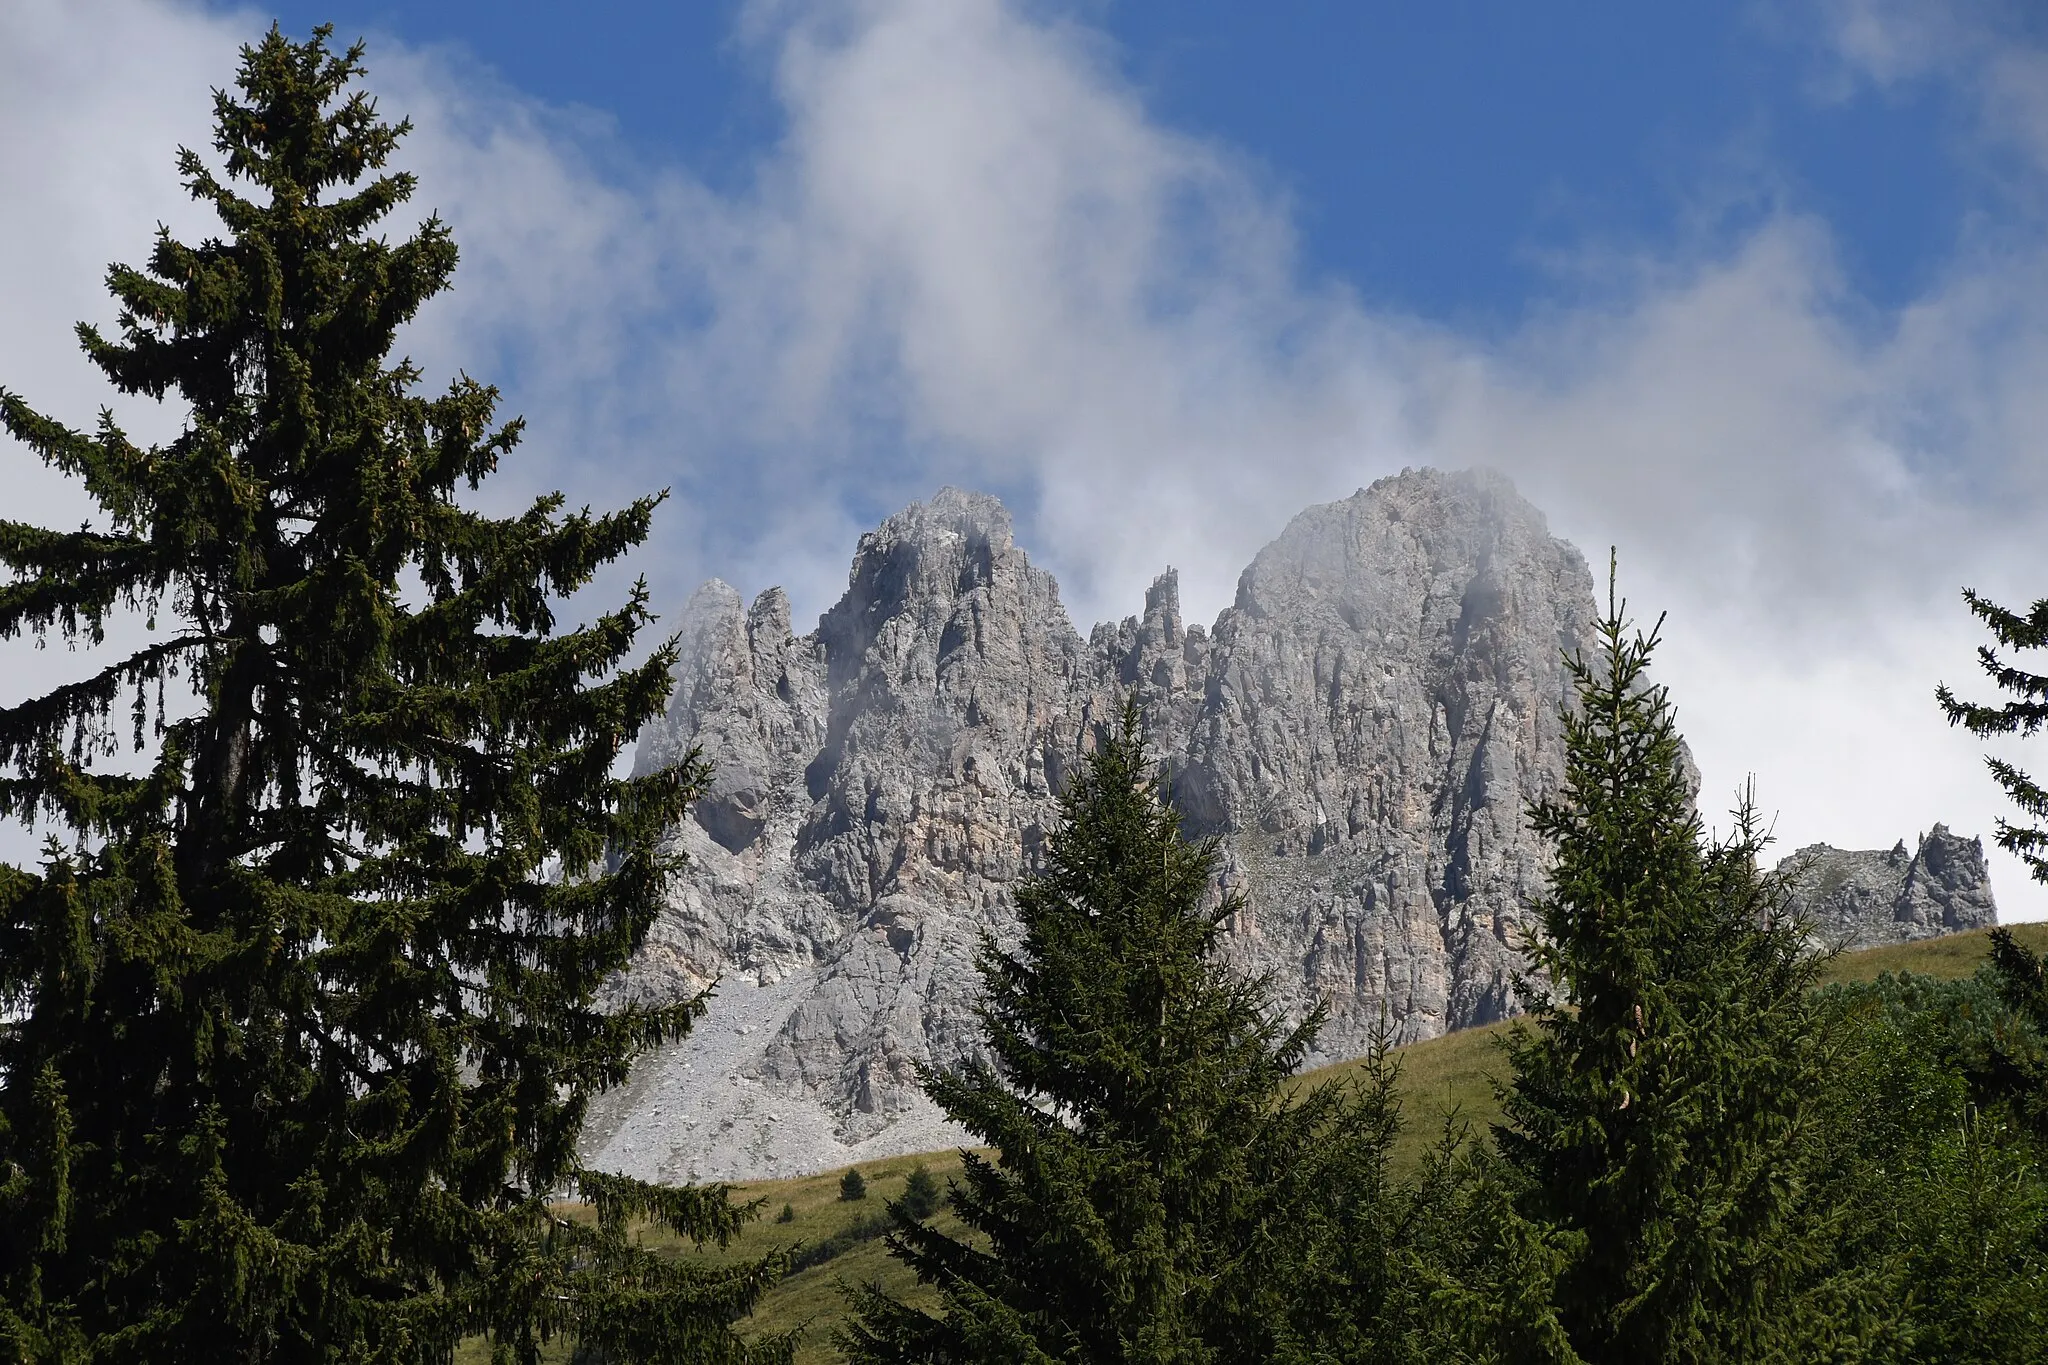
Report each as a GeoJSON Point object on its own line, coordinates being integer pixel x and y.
{"type": "Point", "coordinates": [108, 465]}
{"type": "Point", "coordinates": [32, 727]}
{"type": "Point", "coordinates": [2023, 718]}
{"type": "Point", "coordinates": [72, 580]}
{"type": "Point", "coordinates": [2013, 630]}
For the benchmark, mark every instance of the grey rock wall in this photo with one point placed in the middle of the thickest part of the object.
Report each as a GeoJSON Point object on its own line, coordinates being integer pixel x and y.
{"type": "Point", "coordinates": [1381, 704]}
{"type": "Point", "coordinates": [1363, 729]}
{"type": "Point", "coordinates": [1867, 899]}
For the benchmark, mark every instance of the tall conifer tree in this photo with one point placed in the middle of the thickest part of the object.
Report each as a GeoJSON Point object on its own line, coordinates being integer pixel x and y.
{"type": "Point", "coordinates": [1656, 1113]}
{"type": "Point", "coordinates": [298, 1021]}
{"type": "Point", "coordinates": [2018, 1070]}
{"type": "Point", "coordinates": [2025, 714]}
{"type": "Point", "coordinates": [1152, 1189]}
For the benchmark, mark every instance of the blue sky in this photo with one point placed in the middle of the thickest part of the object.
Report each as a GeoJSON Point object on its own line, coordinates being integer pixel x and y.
{"type": "Point", "coordinates": [1439, 158]}
{"type": "Point", "coordinates": [1756, 293]}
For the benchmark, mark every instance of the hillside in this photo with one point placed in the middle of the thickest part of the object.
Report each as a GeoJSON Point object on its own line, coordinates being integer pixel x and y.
{"type": "Point", "coordinates": [1947, 958]}
{"type": "Point", "coordinates": [1443, 1078]}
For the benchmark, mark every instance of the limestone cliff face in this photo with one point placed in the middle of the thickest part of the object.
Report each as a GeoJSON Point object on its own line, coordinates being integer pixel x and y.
{"type": "Point", "coordinates": [1866, 899]}
{"type": "Point", "coordinates": [1363, 729]}
{"type": "Point", "coordinates": [1381, 704]}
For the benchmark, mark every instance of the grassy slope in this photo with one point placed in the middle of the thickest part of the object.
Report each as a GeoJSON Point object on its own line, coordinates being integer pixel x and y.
{"type": "Point", "coordinates": [1454, 1075]}
{"type": "Point", "coordinates": [1957, 955]}
{"type": "Point", "coordinates": [811, 1298]}
{"type": "Point", "coordinates": [1443, 1078]}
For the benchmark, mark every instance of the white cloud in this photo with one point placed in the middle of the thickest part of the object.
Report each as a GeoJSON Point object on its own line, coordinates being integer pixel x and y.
{"type": "Point", "coordinates": [87, 162]}
{"type": "Point", "coordinates": [976, 258]}
{"type": "Point", "coordinates": [1991, 49]}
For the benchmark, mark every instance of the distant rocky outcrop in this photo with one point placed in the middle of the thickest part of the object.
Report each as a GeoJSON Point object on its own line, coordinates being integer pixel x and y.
{"type": "Point", "coordinates": [1362, 729]}
{"type": "Point", "coordinates": [1865, 899]}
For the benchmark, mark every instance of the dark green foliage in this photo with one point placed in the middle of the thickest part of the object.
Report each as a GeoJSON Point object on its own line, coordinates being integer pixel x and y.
{"type": "Point", "coordinates": [788, 1214]}
{"type": "Point", "coordinates": [1497, 1286]}
{"type": "Point", "coordinates": [851, 1186]}
{"type": "Point", "coordinates": [1366, 1269]}
{"type": "Point", "coordinates": [1152, 1196]}
{"type": "Point", "coordinates": [1936, 1200]}
{"type": "Point", "coordinates": [921, 1196]}
{"type": "Point", "coordinates": [2010, 1064]}
{"type": "Point", "coordinates": [862, 1229]}
{"type": "Point", "coordinates": [299, 1027]}
{"type": "Point", "coordinates": [2024, 715]}
{"type": "Point", "coordinates": [1660, 1101]}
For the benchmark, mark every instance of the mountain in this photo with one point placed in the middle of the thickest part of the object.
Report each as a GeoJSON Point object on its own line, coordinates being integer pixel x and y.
{"type": "Point", "coordinates": [1362, 731]}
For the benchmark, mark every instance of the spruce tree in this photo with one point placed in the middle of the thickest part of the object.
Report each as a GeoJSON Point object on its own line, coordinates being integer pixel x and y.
{"type": "Point", "coordinates": [921, 1195]}
{"type": "Point", "coordinates": [2017, 1073]}
{"type": "Point", "coordinates": [2023, 715]}
{"type": "Point", "coordinates": [297, 1029]}
{"type": "Point", "coordinates": [1657, 1110]}
{"type": "Point", "coordinates": [1148, 1191]}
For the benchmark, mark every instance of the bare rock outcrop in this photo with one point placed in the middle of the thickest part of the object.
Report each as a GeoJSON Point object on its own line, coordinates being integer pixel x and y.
{"type": "Point", "coordinates": [1870, 898]}
{"type": "Point", "coordinates": [1363, 729]}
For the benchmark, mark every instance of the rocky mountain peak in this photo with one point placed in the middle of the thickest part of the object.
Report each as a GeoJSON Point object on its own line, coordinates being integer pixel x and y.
{"type": "Point", "coordinates": [1363, 730]}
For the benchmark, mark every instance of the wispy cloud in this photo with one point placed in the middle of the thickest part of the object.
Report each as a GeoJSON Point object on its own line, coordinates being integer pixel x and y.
{"type": "Point", "coordinates": [976, 257]}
